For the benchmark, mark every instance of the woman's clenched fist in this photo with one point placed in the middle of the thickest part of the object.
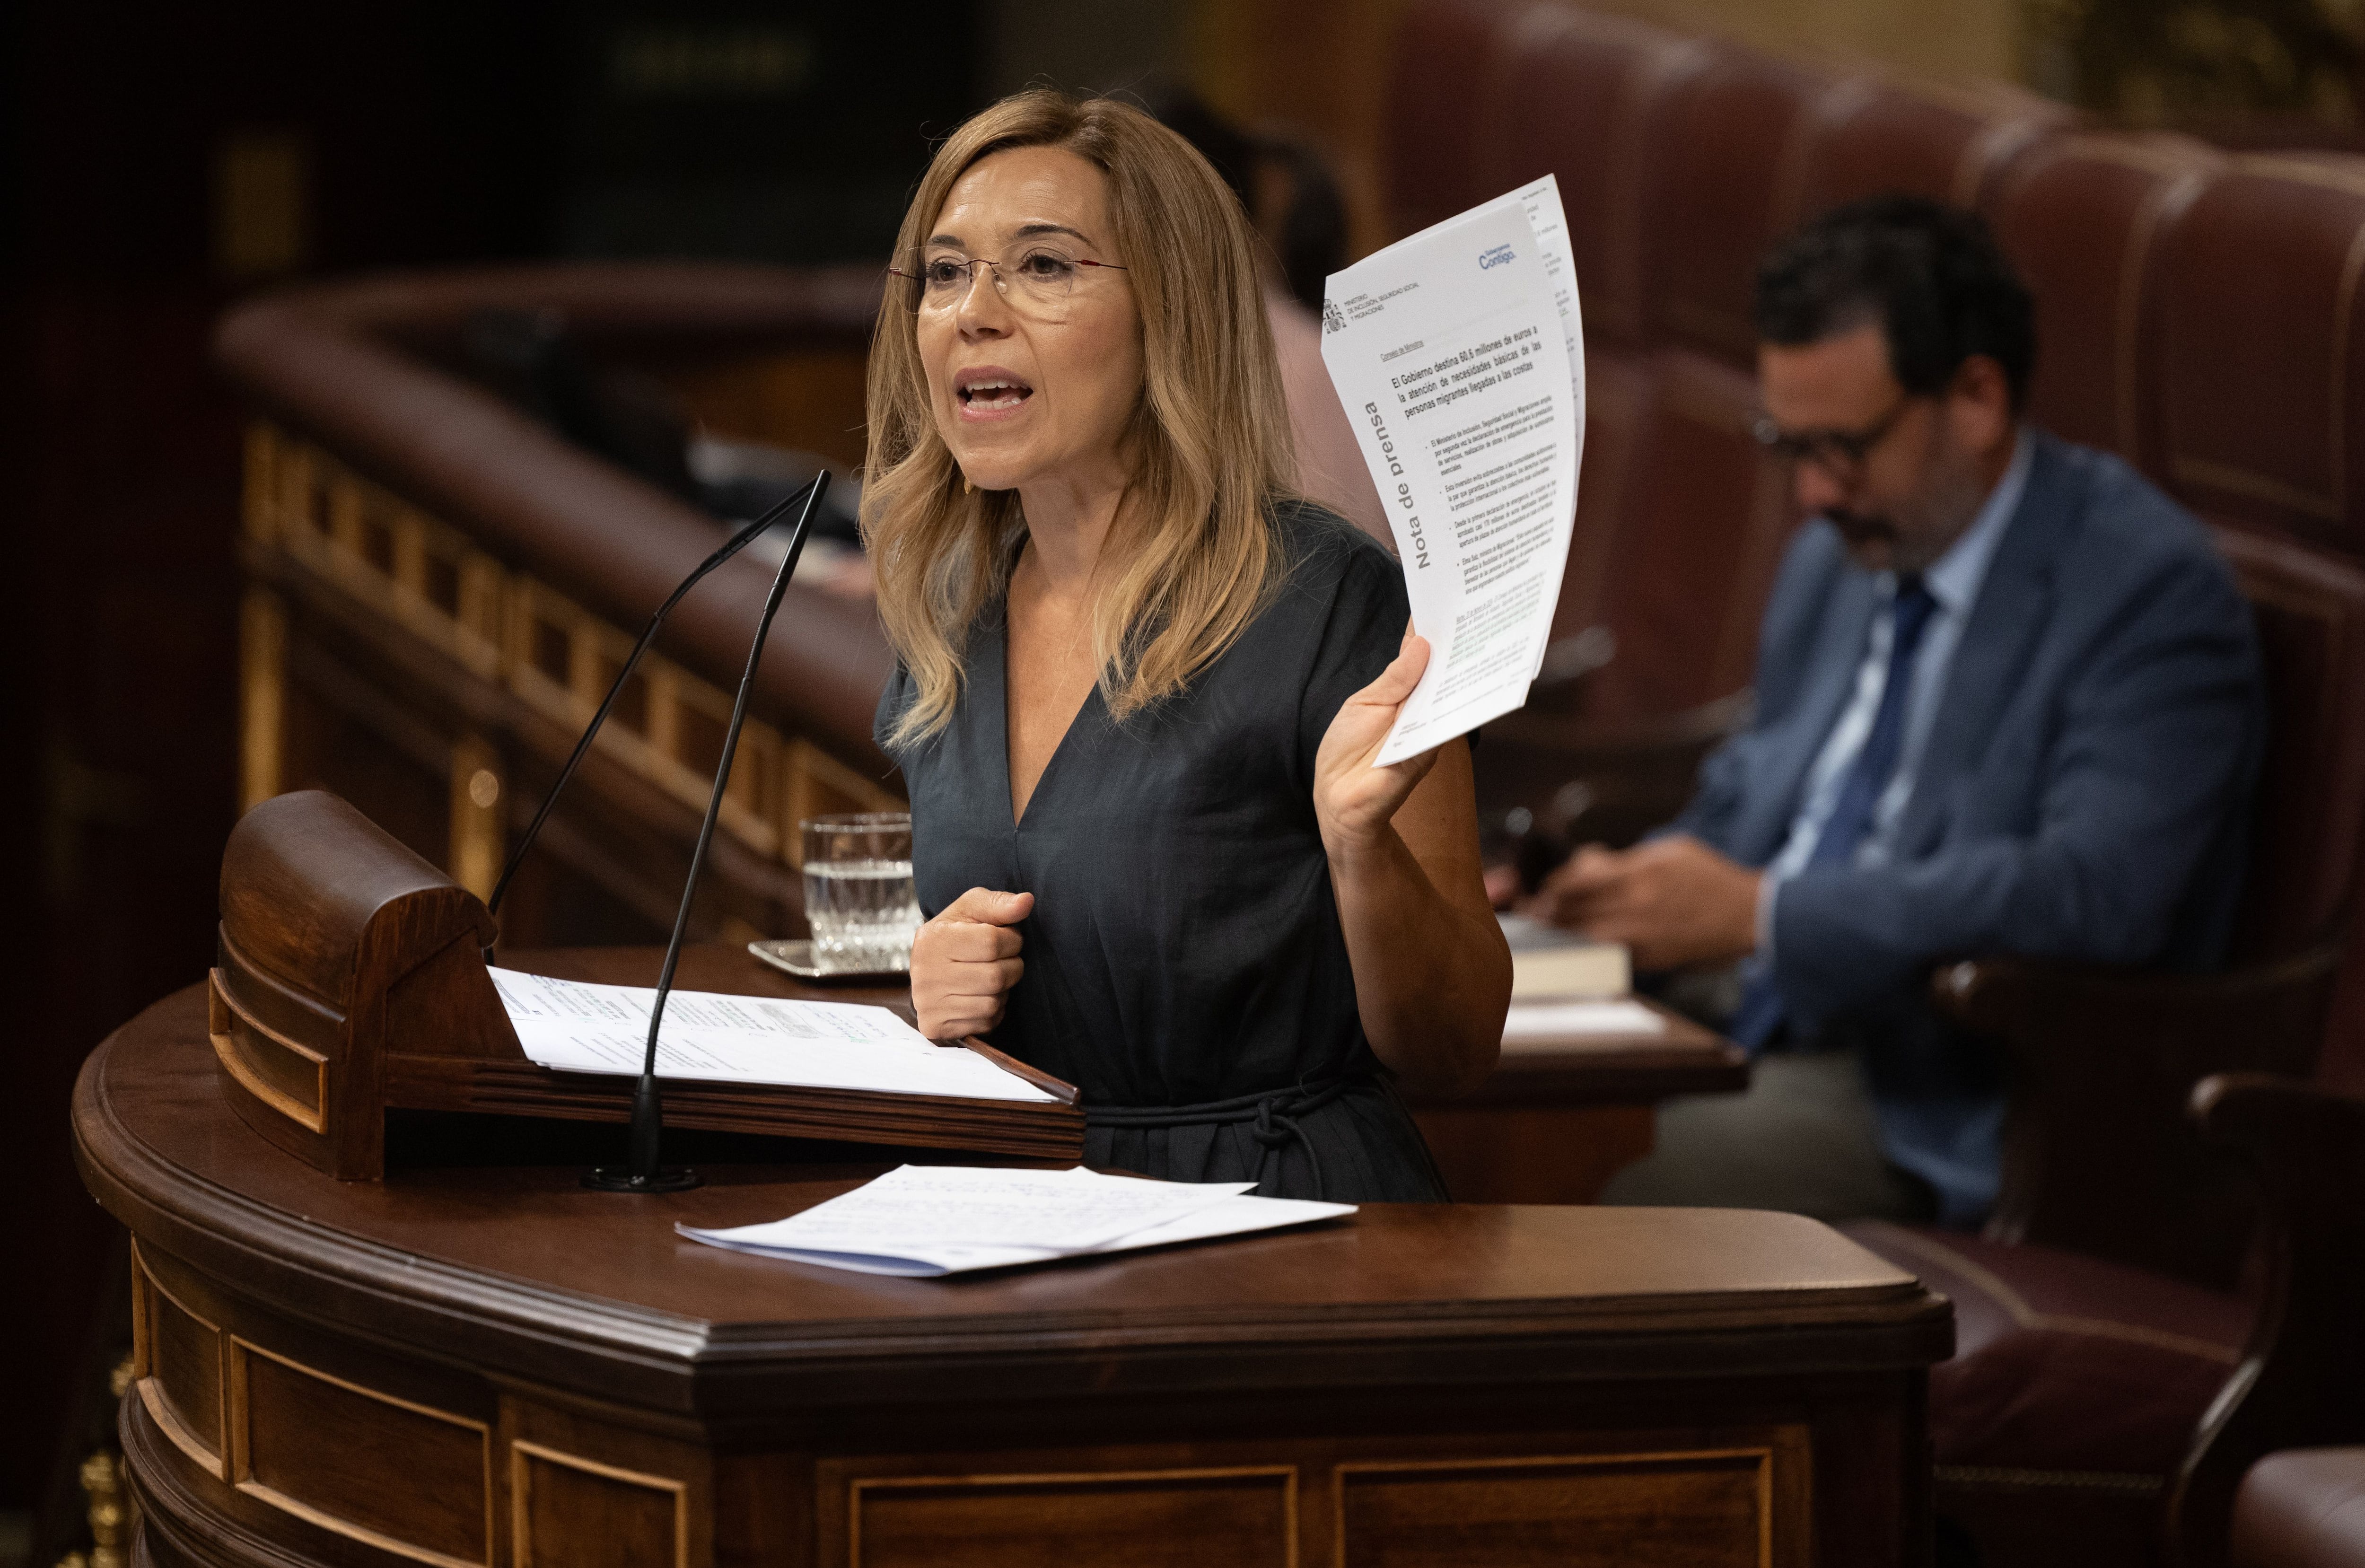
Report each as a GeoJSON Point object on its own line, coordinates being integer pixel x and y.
{"type": "Point", "coordinates": [965, 961]}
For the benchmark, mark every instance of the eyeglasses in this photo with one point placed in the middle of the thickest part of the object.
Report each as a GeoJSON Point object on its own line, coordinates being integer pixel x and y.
{"type": "Point", "coordinates": [1038, 281]}
{"type": "Point", "coordinates": [1840, 454]}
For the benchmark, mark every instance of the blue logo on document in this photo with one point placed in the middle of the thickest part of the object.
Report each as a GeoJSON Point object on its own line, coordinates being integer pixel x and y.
{"type": "Point", "coordinates": [1497, 257]}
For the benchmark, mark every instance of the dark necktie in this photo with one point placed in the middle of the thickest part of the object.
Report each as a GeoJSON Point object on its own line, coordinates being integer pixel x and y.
{"type": "Point", "coordinates": [1858, 802]}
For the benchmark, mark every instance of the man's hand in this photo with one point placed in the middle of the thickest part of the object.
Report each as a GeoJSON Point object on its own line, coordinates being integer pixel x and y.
{"type": "Point", "coordinates": [1674, 900]}
{"type": "Point", "coordinates": [965, 961]}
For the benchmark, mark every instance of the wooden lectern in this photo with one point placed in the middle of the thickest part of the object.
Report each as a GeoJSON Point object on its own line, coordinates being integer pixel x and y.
{"type": "Point", "coordinates": [352, 981]}
{"type": "Point", "coordinates": [489, 1367]}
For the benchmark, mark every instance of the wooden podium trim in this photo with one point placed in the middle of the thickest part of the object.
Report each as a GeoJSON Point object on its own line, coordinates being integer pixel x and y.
{"type": "Point", "coordinates": [168, 1421]}
{"type": "Point", "coordinates": [222, 1007]}
{"type": "Point", "coordinates": [236, 1415]}
{"type": "Point", "coordinates": [522, 1454]}
{"type": "Point", "coordinates": [148, 1378]}
{"type": "Point", "coordinates": [1027, 1129]}
{"type": "Point", "coordinates": [1288, 1476]}
{"type": "Point", "coordinates": [351, 982]}
{"type": "Point", "coordinates": [1766, 1456]}
{"type": "Point", "coordinates": [351, 1532]}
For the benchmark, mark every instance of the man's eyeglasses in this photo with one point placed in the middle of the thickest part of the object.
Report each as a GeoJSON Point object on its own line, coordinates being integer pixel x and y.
{"type": "Point", "coordinates": [1039, 280]}
{"type": "Point", "coordinates": [1840, 454]}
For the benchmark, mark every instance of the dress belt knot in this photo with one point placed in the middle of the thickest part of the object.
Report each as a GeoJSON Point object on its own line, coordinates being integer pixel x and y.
{"type": "Point", "coordinates": [1273, 1117]}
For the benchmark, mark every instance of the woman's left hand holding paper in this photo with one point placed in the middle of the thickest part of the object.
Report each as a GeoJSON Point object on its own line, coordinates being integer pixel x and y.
{"type": "Point", "coordinates": [1354, 801]}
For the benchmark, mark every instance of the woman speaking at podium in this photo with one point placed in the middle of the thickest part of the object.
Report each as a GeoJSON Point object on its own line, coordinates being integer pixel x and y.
{"type": "Point", "coordinates": [1139, 683]}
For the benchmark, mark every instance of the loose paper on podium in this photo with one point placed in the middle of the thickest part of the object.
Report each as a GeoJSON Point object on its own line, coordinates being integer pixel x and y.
{"type": "Point", "coordinates": [928, 1220]}
{"type": "Point", "coordinates": [574, 1026]}
{"type": "Point", "coordinates": [1459, 353]}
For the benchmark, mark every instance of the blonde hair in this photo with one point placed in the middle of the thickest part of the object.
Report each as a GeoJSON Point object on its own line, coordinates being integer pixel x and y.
{"type": "Point", "coordinates": [1189, 563]}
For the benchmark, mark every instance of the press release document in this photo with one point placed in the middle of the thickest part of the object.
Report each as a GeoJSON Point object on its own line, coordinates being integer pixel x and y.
{"type": "Point", "coordinates": [1459, 355]}
{"type": "Point", "coordinates": [573, 1026]}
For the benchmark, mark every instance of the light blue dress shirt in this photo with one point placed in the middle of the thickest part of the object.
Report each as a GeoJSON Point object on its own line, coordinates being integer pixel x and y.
{"type": "Point", "coordinates": [1953, 580]}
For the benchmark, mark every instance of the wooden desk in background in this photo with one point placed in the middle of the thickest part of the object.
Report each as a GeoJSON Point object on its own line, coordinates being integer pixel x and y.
{"type": "Point", "coordinates": [1561, 1117]}
{"type": "Point", "coordinates": [476, 1362]}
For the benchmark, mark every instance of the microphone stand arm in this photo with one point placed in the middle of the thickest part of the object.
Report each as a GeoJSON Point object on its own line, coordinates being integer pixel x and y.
{"type": "Point", "coordinates": [643, 1174]}
{"type": "Point", "coordinates": [732, 546]}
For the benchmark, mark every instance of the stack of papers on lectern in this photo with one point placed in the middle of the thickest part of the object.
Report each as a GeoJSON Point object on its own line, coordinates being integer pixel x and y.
{"type": "Point", "coordinates": [572, 1026]}
{"type": "Point", "coordinates": [920, 1221]}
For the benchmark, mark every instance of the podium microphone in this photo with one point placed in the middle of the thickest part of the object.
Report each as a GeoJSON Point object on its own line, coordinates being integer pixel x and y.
{"type": "Point", "coordinates": [732, 546]}
{"type": "Point", "coordinates": [643, 1174]}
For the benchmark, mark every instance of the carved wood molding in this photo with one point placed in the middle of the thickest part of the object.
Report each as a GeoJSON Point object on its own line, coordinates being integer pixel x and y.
{"type": "Point", "coordinates": [358, 545]}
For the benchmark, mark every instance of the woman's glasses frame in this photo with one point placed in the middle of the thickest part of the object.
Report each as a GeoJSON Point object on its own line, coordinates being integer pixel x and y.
{"type": "Point", "coordinates": [918, 284]}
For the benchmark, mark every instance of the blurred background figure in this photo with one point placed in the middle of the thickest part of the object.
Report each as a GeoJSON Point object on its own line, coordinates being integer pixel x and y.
{"type": "Point", "coordinates": [1294, 202]}
{"type": "Point", "coordinates": [2007, 701]}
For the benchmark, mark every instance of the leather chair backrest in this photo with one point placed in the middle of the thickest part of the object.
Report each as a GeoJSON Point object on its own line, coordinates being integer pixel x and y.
{"type": "Point", "coordinates": [1579, 96]}
{"type": "Point", "coordinates": [1621, 392]}
{"type": "Point", "coordinates": [1445, 54]}
{"type": "Point", "coordinates": [2261, 384]}
{"type": "Point", "coordinates": [2311, 804]}
{"type": "Point", "coordinates": [2197, 313]}
{"type": "Point", "coordinates": [2079, 217]}
{"type": "Point", "coordinates": [1331, 467]}
{"type": "Point", "coordinates": [1701, 531]}
{"type": "Point", "coordinates": [1725, 178]}
{"type": "Point", "coordinates": [1871, 137]}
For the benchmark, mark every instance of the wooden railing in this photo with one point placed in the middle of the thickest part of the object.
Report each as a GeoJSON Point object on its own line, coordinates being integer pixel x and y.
{"type": "Point", "coordinates": [434, 663]}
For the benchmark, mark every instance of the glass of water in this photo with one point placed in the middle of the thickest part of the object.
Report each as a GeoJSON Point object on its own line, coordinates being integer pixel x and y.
{"type": "Point", "coordinates": [859, 894]}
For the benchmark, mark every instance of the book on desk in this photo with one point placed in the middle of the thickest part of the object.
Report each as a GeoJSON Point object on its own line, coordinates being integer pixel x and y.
{"type": "Point", "coordinates": [1566, 990]}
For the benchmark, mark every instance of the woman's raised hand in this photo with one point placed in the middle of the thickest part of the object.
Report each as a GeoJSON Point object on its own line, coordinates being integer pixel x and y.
{"type": "Point", "coordinates": [965, 961]}
{"type": "Point", "coordinates": [1353, 800]}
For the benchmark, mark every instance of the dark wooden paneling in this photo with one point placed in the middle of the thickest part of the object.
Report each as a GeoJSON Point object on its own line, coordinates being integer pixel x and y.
{"type": "Point", "coordinates": [813, 400]}
{"type": "Point", "coordinates": [1693, 560]}
{"type": "Point", "coordinates": [1681, 1510]}
{"type": "Point", "coordinates": [330, 748]}
{"type": "Point", "coordinates": [184, 1363]}
{"type": "Point", "coordinates": [575, 1513]}
{"type": "Point", "coordinates": [1180, 1519]}
{"type": "Point", "coordinates": [361, 1460]}
{"type": "Point", "coordinates": [1423, 1383]}
{"type": "Point", "coordinates": [1543, 1154]}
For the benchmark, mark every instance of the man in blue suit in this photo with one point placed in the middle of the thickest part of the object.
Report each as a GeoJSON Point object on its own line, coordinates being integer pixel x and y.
{"type": "Point", "coordinates": [2007, 701]}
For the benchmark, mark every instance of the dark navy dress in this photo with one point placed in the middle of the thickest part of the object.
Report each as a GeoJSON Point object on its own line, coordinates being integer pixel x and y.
{"type": "Point", "coordinates": [1184, 964]}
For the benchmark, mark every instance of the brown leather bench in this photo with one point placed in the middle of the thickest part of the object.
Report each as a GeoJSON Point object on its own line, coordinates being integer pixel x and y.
{"type": "Point", "coordinates": [2302, 1508]}
{"type": "Point", "coordinates": [2197, 315]}
{"type": "Point", "coordinates": [1680, 160]}
{"type": "Point", "coordinates": [441, 585]}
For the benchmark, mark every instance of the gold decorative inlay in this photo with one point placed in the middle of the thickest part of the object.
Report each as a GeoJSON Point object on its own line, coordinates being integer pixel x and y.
{"type": "Point", "coordinates": [110, 1512]}
{"type": "Point", "coordinates": [262, 696]}
{"type": "Point", "coordinates": [520, 633]}
{"type": "Point", "coordinates": [479, 835]}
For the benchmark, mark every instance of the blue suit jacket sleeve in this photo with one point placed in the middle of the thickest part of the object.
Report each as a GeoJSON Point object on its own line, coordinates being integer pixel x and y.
{"type": "Point", "coordinates": [2142, 715]}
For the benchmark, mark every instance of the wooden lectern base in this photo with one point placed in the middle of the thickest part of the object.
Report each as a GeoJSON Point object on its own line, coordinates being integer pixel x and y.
{"type": "Point", "coordinates": [352, 983]}
{"type": "Point", "coordinates": [484, 1364]}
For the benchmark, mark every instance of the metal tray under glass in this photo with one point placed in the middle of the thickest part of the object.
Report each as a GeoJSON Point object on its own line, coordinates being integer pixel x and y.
{"type": "Point", "coordinates": [795, 956]}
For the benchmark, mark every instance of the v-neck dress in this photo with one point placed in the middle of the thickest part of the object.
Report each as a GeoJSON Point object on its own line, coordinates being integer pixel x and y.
{"type": "Point", "coordinates": [1184, 965]}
